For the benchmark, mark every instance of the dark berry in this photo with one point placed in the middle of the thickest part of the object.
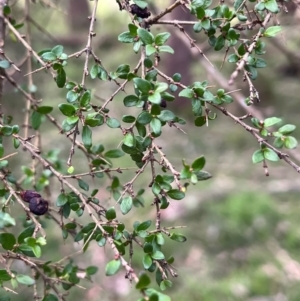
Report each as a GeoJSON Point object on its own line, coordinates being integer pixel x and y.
{"type": "Point", "coordinates": [163, 103]}
{"type": "Point", "coordinates": [140, 12]}
{"type": "Point", "coordinates": [27, 195]}
{"type": "Point", "coordinates": [38, 206]}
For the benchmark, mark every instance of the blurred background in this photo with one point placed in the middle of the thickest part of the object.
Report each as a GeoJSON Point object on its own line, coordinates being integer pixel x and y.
{"type": "Point", "coordinates": [242, 227]}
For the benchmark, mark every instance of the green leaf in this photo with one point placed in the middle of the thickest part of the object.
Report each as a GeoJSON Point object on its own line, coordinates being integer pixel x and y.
{"type": "Point", "coordinates": [166, 115]}
{"type": "Point", "coordinates": [44, 109]}
{"type": "Point", "coordinates": [140, 3]}
{"type": "Point", "coordinates": [176, 194]}
{"type": "Point", "coordinates": [144, 225]}
{"type": "Point", "coordinates": [1, 150]}
{"type": "Point", "coordinates": [290, 142]}
{"type": "Point", "coordinates": [198, 164]}
{"type": "Point", "coordinates": [165, 284]}
{"type": "Point", "coordinates": [49, 56]}
{"type": "Point", "coordinates": [272, 31]}
{"type": "Point", "coordinates": [270, 155]}
{"type": "Point", "coordinates": [128, 118]}
{"type": "Point", "coordinates": [67, 109]}
{"type": "Point", "coordinates": [272, 6]}
{"type": "Point", "coordinates": [187, 92]}
{"type": "Point", "coordinates": [72, 96]}
{"type": "Point", "coordinates": [126, 37]}
{"type": "Point", "coordinates": [91, 270]}
{"type": "Point", "coordinates": [4, 64]}
{"type": "Point", "coordinates": [62, 199]}
{"type": "Point", "coordinates": [150, 50]}
{"type": "Point", "coordinates": [155, 125]}
{"type": "Point", "coordinates": [145, 36]}
{"type": "Point", "coordinates": [200, 121]}
{"type": "Point", "coordinates": [143, 282]}
{"type": "Point", "coordinates": [144, 118]}
{"type": "Point", "coordinates": [61, 78]}
{"type": "Point", "coordinates": [86, 136]}
{"type": "Point", "coordinates": [166, 48]}
{"type": "Point", "coordinates": [203, 175]}
{"type": "Point", "coordinates": [271, 121]}
{"type": "Point", "coordinates": [126, 204]}
{"type": "Point", "coordinates": [36, 120]}
{"type": "Point", "coordinates": [7, 240]}
{"type": "Point", "coordinates": [143, 85]}
{"type": "Point", "coordinates": [233, 58]}
{"type": "Point", "coordinates": [113, 123]}
{"type": "Point", "coordinates": [158, 255]}
{"type": "Point", "coordinates": [112, 267]}
{"type": "Point", "coordinates": [130, 101]}
{"type": "Point", "coordinates": [58, 50]}
{"type": "Point", "coordinates": [4, 276]}
{"type": "Point", "coordinates": [220, 42]}
{"type": "Point", "coordinates": [114, 153]}
{"type": "Point", "coordinates": [287, 129]}
{"type": "Point", "coordinates": [24, 279]}
{"type": "Point", "coordinates": [161, 38]}
{"type": "Point", "coordinates": [258, 156]}
{"type": "Point", "coordinates": [25, 233]}
{"type": "Point", "coordinates": [110, 213]}
{"type": "Point", "coordinates": [129, 140]}
{"type": "Point", "coordinates": [50, 297]}
{"type": "Point", "coordinates": [155, 98]}
{"type": "Point", "coordinates": [147, 261]}
{"type": "Point", "coordinates": [83, 185]}
{"type": "Point", "coordinates": [237, 4]}
{"type": "Point", "coordinates": [85, 99]}
{"type": "Point", "coordinates": [178, 237]}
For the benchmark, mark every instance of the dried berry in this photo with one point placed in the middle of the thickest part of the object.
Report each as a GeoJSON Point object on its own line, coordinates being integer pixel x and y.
{"type": "Point", "coordinates": [163, 103]}
{"type": "Point", "coordinates": [140, 12]}
{"type": "Point", "coordinates": [27, 195]}
{"type": "Point", "coordinates": [38, 206]}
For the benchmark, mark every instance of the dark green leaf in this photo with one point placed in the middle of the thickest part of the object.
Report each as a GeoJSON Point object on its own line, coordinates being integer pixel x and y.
{"type": "Point", "coordinates": [114, 153]}
{"type": "Point", "coordinates": [50, 297]}
{"type": "Point", "coordinates": [143, 85]}
{"type": "Point", "coordinates": [176, 194]}
{"type": "Point", "coordinates": [144, 118]}
{"type": "Point", "coordinates": [7, 240]}
{"type": "Point", "coordinates": [86, 136]}
{"type": "Point", "coordinates": [36, 120]}
{"type": "Point", "coordinates": [110, 213]}
{"type": "Point", "coordinates": [67, 109]}
{"type": "Point", "coordinates": [4, 276]}
{"type": "Point", "coordinates": [91, 270]}
{"type": "Point", "coordinates": [72, 96]}
{"type": "Point", "coordinates": [130, 100]}
{"type": "Point", "coordinates": [62, 199]}
{"type": "Point", "coordinates": [85, 99]}
{"type": "Point", "coordinates": [178, 237]}
{"type": "Point", "coordinates": [44, 109]}
{"type": "Point", "coordinates": [25, 233]}
{"type": "Point", "coordinates": [143, 282]}
{"type": "Point", "coordinates": [61, 78]}
{"type": "Point", "coordinates": [198, 164]}
{"type": "Point", "coordinates": [83, 185]}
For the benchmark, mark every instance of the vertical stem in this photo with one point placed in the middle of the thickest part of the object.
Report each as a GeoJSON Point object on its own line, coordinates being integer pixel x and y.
{"type": "Point", "coordinates": [2, 39]}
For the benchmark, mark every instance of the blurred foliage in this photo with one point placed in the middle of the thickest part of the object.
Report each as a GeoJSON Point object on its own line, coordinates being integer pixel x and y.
{"type": "Point", "coordinates": [242, 228]}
